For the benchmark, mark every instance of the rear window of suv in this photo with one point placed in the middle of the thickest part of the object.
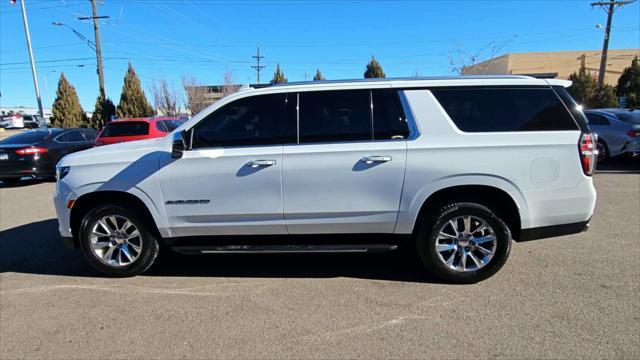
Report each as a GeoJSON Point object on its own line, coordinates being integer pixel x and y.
{"type": "Point", "coordinates": [129, 128]}
{"type": "Point", "coordinates": [502, 109]}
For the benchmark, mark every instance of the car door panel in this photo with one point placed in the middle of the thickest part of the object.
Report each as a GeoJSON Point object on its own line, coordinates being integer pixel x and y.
{"type": "Point", "coordinates": [222, 192]}
{"type": "Point", "coordinates": [343, 188]}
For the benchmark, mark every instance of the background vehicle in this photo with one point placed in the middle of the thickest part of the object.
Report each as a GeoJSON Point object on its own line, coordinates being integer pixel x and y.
{"type": "Point", "coordinates": [454, 167]}
{"type": "Point", "coordinates": [12, 122]}
{"type": "Point", "coordinates": [35, 153]}
{"type": "Point", "coordinates": [618, 131]}
{"type": "Point", "coordinates": [118, 131]}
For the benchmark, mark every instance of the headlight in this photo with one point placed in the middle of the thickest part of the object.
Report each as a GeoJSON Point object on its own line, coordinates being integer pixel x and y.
{"type": "Point", "coordinates": [61, 172]}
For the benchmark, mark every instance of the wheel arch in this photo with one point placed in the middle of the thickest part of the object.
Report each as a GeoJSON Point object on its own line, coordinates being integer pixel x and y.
{"type": "Point", "coordinates": [496, 199]}
{"type": "Point", "coordinates": [88, 201]}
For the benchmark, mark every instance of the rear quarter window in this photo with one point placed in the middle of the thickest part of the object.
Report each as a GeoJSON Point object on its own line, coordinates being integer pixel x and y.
{"type": "Point", "coordinates": [495, 109]}
{"type": "Point", "coordinates": [129, 128]}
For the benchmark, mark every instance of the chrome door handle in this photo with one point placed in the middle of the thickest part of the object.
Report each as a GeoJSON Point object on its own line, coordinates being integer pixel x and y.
{"type": "Point", "coordinates": [376, 159]}
{"type": "Point", "coordinates": [260, 163]}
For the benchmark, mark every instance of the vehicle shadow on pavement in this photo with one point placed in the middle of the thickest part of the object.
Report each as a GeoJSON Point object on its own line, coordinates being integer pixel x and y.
{"type": "Point", "coordinates": [36, 248]}
{"type": "Point", "coordinates": [619, 166]}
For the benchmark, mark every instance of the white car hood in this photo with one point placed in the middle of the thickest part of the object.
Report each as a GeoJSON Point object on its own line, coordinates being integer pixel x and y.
{"type": "Point", "coordinates": [125, 152]}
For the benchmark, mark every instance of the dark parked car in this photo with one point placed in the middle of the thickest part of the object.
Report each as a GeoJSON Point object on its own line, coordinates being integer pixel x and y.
{"type": "Point", "coordinates": [35, 153]}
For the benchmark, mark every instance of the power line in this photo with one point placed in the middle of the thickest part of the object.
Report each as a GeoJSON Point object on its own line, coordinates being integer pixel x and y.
{"type": "Point", "coordinates": [609, 7]}
{"type": "Point", "coordinates": [258, 67]}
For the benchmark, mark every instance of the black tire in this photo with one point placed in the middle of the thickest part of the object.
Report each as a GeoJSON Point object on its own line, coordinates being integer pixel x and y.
{"type": "Point", "coordinates": [603, 151]}
{"type": "Point", "coordinates": [427, 236]}
{"type": "Point", "coordinates": [147, 239]}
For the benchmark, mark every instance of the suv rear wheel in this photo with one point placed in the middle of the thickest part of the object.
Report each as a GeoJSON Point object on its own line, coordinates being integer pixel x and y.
{"type": "Point", "coordinates": [116, 242]}
{"type": "Point", "coordinates": [466, 243]}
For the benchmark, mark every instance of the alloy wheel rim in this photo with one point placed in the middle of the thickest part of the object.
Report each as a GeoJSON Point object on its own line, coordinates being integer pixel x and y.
{"type": "Point", "coordinates": [115, 241]}
{"type": "Point", "coordinates": [466, 243]}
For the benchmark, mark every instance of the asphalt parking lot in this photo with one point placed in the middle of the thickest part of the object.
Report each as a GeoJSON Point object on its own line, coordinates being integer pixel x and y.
{"type": "Point", "coordinates": [575, 296]}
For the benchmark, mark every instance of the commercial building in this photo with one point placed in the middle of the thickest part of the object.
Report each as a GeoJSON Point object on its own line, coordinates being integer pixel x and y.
{"type": "Point", "coordinates": [558, 64]}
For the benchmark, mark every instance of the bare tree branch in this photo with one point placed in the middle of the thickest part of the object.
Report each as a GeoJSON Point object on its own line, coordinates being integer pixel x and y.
{"type": "Point", "coordinates": [165, 98]}
{"type": "Point", "coordinates": [195, 95]}
{"type": "Point", "coordinates": [461, 57]}
{"type": "Point", "coordinates": [228, 86]}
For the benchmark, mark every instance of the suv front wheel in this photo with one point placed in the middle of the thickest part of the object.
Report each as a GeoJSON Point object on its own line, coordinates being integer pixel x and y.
{"type": "Point", "coordinates": [466, 243]}
{"type": "Point", "coordinates": [116, 242]}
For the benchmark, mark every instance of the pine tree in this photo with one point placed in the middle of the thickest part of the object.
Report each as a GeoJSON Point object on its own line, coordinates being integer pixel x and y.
{"type": "Point", "coordinates": [604, 97]}
{"type": "Point", "coordinates": [629, 84]}
{"type": "Point", "coordinates": [103, 112]}
{"type": "Point", "coordinates": [133, 102]}
{"type": "Point", "coordinates": [66, 110]}
{"type": "Point", "coordinates": [278, 76]}
{"type": "Point", "coordinates": [374, 69]}
{"type": "Point", "coordinates": [584, 86]}
{"type": "Point", "coordinates": [318, 76]}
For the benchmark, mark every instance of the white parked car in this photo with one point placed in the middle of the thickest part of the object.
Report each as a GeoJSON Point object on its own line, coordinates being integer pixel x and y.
{"type": "Point", "coordinates": [15, 121]}
{"type": "Point", "coordinates": [457, 166]}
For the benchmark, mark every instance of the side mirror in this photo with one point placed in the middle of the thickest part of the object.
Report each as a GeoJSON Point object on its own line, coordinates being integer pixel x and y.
{"type": "Point", "coordinates": [180, 144]}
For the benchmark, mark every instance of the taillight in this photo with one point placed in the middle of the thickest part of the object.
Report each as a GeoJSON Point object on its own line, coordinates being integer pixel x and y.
{"type": "Point", "coordinates": [588, 153]}
{"type": "Point", "coordinates": [31, 151]}
{"type": "Point", "coordinates": [633, 133]}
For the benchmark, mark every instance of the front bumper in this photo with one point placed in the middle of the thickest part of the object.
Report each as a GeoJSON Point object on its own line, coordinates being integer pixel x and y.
{"type": "Point", "coordinates": [62, 196]}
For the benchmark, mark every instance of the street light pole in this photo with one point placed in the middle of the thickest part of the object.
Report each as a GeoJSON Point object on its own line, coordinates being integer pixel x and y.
{"type": "Point", "coordinates": [33, 63]}
{"type": "Point", "coordinates": [96, 32]}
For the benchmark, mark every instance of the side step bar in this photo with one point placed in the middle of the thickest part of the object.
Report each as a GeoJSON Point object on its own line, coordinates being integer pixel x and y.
{"type": "Point", "coordinates": [284, 249]}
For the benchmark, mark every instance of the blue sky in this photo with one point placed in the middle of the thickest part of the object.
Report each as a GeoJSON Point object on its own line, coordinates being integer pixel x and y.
{"type": "Point", "coordinates": [202, 38]}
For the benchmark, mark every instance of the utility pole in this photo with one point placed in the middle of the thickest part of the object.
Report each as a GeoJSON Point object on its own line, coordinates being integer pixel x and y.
{"type": "Point", "coordinates": [96, 32]}
{"type": "Point", "coordinates": [609, 7]}
{"type": "Point", "coordinates": [33, 62]}
{"type": "Point", "coordinates": [258, 67]}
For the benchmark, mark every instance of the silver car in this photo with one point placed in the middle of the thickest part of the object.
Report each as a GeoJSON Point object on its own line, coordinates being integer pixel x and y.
{"type": "Point", "coordinates": [618, 131]}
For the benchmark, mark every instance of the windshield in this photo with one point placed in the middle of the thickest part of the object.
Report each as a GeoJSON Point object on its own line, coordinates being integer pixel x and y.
{"type": "Point", "coordinates": [129, 128]}
{"type": "Point", "coordinates": [29, 137]}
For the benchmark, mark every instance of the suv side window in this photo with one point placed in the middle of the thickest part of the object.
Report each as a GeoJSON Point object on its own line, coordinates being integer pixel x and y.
{"type": "Point", "coordinates": [495, 109]}
{"type": "Point", "coordinates": [331, 116]}
{"type": "Point", "coordinates": [256, 120]}
{"type": "Point", "coordinates": [389, 121]}
{"type": "Point", "coordinates": [598, 120]}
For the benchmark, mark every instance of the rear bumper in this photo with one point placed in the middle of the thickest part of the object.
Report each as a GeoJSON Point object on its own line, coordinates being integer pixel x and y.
{"type": "Point", "coordinates": [546, 232]}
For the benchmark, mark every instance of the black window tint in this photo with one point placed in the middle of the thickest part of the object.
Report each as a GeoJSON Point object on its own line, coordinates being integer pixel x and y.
{"type": "Point", "coordinates": [389, 121]}
{"type": "Point", "coordinates": [335, 116]}
{"type": "Point", "coordinates": [595, 119]}
{"type": "Point", "coordinates": [574, 108]}
{"type": "Point", "coordinates": [129, 128]}
{"type": "Point", "coordinates": [71, 136]}
{"type": "Point", "coordinates": [505, 109]}
{"type": "Point", "coordinates": [257, 120]}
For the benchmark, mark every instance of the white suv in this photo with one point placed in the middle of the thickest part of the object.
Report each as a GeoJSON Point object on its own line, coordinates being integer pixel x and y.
{"type": "Point", "coordinates": [457, 167]}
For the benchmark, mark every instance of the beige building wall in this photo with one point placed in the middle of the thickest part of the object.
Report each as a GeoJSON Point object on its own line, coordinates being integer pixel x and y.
{"type": "Point", "coordinates": [562, 62]}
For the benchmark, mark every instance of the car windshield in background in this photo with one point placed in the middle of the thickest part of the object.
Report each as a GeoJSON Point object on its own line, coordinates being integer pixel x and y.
{"type": "Point", "coordinates": [167, 125]}
{"type": "Point", "coordinates": [129, 128]}
{"type": "Point", "coordinates": [29, 137]}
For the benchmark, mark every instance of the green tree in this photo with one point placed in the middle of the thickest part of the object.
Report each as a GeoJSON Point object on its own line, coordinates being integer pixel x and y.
{"type": "Point", "coordinates": [629, 84]}
{"type": "Point", "coordinates": [278, 76]}
{"type": "Point", "coordinates": [604, 98]}
{"type": "Point", "coordinates": [66, 110]}
{"type": "Point", "coordinates": [133, 102]}
{"type": "Point", "coordinates": [374, 69]}
{"type": "Point", "coordinates": [584, 86]}
{"type": "Point", "coordinates": [102, 112]}
{"type": "Point", "coordinates": [318, 76]}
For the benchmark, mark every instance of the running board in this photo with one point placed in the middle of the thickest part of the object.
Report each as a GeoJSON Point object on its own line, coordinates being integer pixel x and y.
{"type": "Point", "coordinates": [284, 249]}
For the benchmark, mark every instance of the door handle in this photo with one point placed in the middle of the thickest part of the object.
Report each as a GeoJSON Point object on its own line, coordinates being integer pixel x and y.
{"type": "Point", "coordinates": [260, 163]}
{"type": "Point", "coordinates": [376, 159]}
